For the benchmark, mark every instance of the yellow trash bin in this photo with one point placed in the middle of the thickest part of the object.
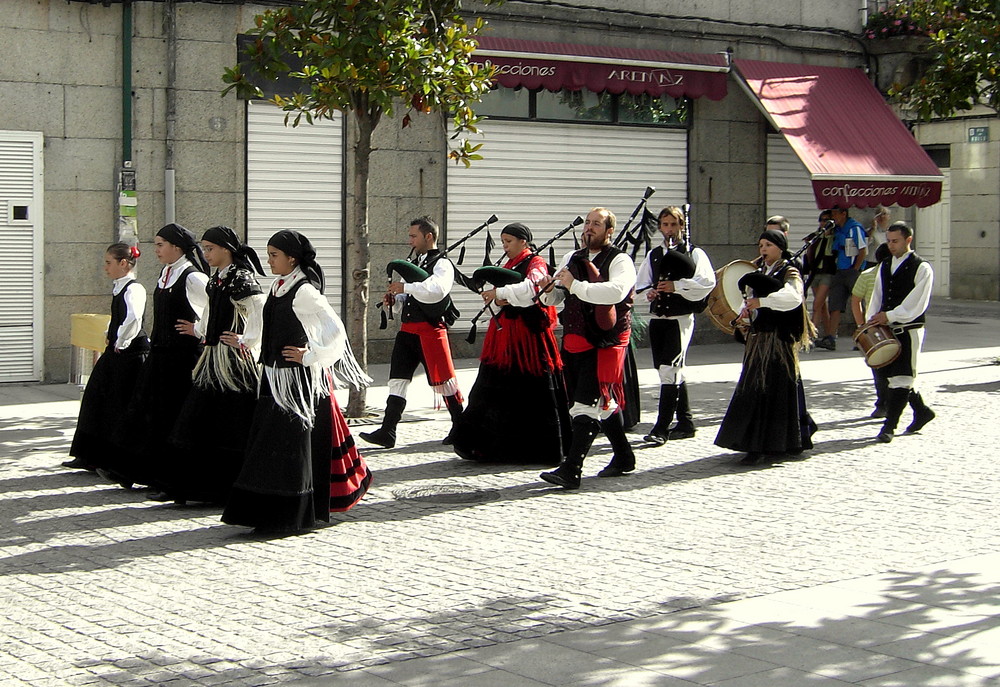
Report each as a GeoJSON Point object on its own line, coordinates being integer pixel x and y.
{"type": "Point", "coordinates": [88, 336]}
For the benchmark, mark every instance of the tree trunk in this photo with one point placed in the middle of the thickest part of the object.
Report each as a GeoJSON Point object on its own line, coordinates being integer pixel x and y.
{"type": "Point", "coordinates": [359, 257]}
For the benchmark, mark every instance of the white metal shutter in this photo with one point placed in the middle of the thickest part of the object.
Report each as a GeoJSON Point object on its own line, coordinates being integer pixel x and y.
{"type": "Point", "coordinates": [789, 191]}
{"type": "Point", "coordinates": [544, 175]}
{"type": "Point", "coordinates": [295, 181]}
{"type": "Point", "coordinates": [21, 192]}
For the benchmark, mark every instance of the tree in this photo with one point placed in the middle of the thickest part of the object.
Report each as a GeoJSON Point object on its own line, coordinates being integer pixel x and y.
{"type": "Point", "coordinates": [369, 59]}
{"type": "Point", "coordinates": [964, 57]}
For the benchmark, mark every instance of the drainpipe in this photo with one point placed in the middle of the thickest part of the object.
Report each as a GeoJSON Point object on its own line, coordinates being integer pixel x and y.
{"type": "Point", "coordinates": [169, 181]}
{"type": "Point", "coordinates": [127, 201]}
{"type": "Point", "coordinates": [127, 81]}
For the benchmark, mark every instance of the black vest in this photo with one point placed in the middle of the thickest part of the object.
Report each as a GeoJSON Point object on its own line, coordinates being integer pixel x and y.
{"type": "Point", "coordinates": [577, 316]}
{"type": "Point", "coordinates": [119, 311]}
{"type": "Point", "coordinates": [896, 287]}
{"type": "Point", "coordinates": [671, 265]}
{"type": "Point", "coordinates": [169, 305]}
{"type": "Point", "coordinates": [433, 313]}
{"type": "Point", "coordinates": [236, 285]}
{"type": "Point", "coordinates": [281, 328]}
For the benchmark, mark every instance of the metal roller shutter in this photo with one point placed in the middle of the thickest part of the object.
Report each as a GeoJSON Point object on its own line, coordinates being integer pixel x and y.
{"type": "Point", "coordinates": [789, 191]}
{"type": "Point", "coordinates": [295, 180]}
{"type": "Point", "coordinates": [21, 186]}
{"type": "Point", "coordinates": [544, 175]}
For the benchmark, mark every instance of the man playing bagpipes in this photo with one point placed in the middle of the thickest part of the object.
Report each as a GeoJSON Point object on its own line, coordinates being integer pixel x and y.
{"type": "Point", "coordinates": [677, 279]}
{"type": "Point", "coordinates": [597, 283]}
{"type": "Point", "coordinates": [423, 302]}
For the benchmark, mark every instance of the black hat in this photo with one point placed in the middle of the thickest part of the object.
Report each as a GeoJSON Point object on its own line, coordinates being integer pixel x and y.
{"type": "Point", "coordinates": [517, 230]}
{"type": "Point", "coordinates": [243, 255]}
{"type": "Point", "coordinates": [186, 241]}
{"type": "Point", "coordinates": [296, 245]}
{"type": "Point", "coordinates": [776, 237]}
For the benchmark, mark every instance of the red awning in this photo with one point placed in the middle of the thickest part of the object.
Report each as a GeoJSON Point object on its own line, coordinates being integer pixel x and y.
{"type": "Point", "coordinates": [557, 66]}
{"type": "Point", "coordinates": [856, 150]}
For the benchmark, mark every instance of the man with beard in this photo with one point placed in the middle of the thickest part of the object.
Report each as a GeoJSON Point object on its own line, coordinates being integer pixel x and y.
{"type": "Point", "coordinates": [597, 283]}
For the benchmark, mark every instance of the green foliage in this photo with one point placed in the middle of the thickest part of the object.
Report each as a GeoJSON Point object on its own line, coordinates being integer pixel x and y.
{"type": "Point", "coordinates": [369, 58]}
{"type": "Point", "coordinates": [963, 57]}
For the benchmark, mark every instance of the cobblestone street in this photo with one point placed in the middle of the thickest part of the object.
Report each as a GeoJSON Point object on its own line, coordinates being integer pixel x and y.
{"type": "Point", "coordinates": [100, 587]}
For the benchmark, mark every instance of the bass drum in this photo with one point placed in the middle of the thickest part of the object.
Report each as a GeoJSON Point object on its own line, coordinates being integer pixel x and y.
{"type": "Point", "coordinates": [726, 300]}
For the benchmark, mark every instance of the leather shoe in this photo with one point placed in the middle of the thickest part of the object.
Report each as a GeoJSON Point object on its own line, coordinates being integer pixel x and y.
{"type": "Point", "coordinates": [78, 464]}
{"type": "Point", "coordinates": [884, 437]}
{"type": "Point", "coordinates": [159, 496]}
{"type": "Point", "coordinates": [878, 413]}
{"type": "Point", "coordinates": [655, 438]}
{"type": "Point", "coordinates": [920, 418]}
{"type": "Point", "coordinates": [380, 437]}
{"type": "Point", "coordinates": [680, 433]}
{"type": "Point", "coordinates": [751, 458]}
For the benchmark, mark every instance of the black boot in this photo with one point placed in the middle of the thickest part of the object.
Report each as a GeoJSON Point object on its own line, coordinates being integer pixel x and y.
{"type": "Point", "coordinates": [623, 459]}
{"type": "Point", "coordinates": [895, 402]}
{"type": "Point", "coordinates": [385, 436]}
{"type": "Point", "coordinates": [881, 392]}
{"type": "Point", "coordinates": [567, 475]}
{"type": "Point", "coordinates": [922, 414]}
{"type": "Point", "coordinates": [664, 415]}
{"type": "Point", "coordinates": [455, 410]}
{"type": "Point", "coordinates": [684, 429]}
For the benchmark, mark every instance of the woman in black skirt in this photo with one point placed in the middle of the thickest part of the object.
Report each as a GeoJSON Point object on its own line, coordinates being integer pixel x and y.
{"type": "Point", "coordinates": [165, 379]}
{"type": "Point", "coordinates": [520, 371]}
{"type": "Point", "coordinates": [101, 428]}
{"type": "Point", "coordinates": [301, 463]}
{"type": "Point", "coordinates": [226, 376]}
{"type": "Point", "coordinates": [767, 415]}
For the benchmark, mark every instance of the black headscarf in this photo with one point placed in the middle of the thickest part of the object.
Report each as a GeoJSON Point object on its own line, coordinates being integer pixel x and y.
{"type": "Point", "coordinates": [296, 245]}
{"type": "Point", "coordinates": [777, 238]}
{"type": "Point", "coordinates": [518, 230]}
{"type": "Point", "coordinates": [243, 255]}
{"type": "Point", "coordinates": [186, 241]}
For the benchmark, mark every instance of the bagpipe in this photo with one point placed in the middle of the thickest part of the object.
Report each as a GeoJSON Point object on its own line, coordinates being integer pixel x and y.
{"type": "Point", "coordinates": [672, 264]}
{"type": "Point", "coordinates": [410, 273]}
{"type": "Point", "coordinates": [501, 276]}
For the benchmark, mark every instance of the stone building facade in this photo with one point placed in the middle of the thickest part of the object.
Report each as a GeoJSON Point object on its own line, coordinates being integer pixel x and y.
{"type": "Point", "coordinates": [93, 79]}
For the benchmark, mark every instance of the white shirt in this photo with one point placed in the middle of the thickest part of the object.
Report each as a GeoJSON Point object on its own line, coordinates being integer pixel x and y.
{"type": "Point", "coordinates": [788, 297]}
{"type": "Point", "coordinates": [327, 337]}
{"type": "Point", "coordinates": [621, 281]}
{"type": "Point", "coordinates": [916, 301]}
{"type": "Point", "coordinates": [135, 308]}
{"type": "Point", "coordinates": [693, 289]}
{"type": "Point", "coordinates": [522, 294]}
{"type": "Point", "coordinates": [434, 289]}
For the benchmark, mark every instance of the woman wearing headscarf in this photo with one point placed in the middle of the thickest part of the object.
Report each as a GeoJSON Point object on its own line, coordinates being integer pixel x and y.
{"type": "Point", "coordinates": [165, 379]}
{"type": "Point", "coordinates": [767, 415]}
{"type": "Point", "coordinates": [301, 463]}
{"type": "Point", "coordinates": [211, 429]}
{"type": "Point", "coordinates": [520, 370]}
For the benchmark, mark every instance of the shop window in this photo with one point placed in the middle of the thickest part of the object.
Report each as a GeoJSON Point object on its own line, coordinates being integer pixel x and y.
{"type": "Point", "coordinates": [585, 106]}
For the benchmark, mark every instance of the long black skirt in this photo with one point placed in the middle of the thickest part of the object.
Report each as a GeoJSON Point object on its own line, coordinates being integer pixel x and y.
{"type": "Point", "coordinates": [102, 430]}
{"type": "Point", "coordinates": [164, 383]}
{"type": "Point", "coordinates": [767, 413]}
{"type": "Point", "coordinates": [513, 417]}
{"type": "Point", "coordinates": [278, 484]}
{"type": "Point", "coordinates": [211, 434]}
